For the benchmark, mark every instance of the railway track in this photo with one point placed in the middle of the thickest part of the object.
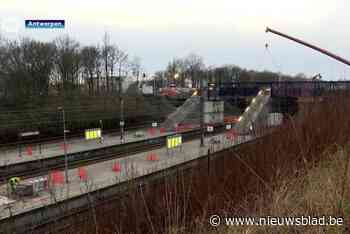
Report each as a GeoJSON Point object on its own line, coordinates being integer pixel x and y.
{"type": "Point", "coordinates": [36, 141]}
{"type": "Point", "coordinates": [44, 166]}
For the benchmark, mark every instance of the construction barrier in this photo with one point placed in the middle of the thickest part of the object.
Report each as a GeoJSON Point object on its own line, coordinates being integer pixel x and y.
{"type": "Point", "coordinates": [91, 134]}
{"type": "Point", "coordinates": [174, 141]}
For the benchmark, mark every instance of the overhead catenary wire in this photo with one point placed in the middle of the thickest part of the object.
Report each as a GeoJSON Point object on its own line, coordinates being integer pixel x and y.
{"type": "Point", "coordinates": [277, 65]}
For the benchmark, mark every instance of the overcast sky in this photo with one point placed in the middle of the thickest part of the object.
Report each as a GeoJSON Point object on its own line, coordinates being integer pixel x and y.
{"type": "Point", "coordinates": [222, 31]}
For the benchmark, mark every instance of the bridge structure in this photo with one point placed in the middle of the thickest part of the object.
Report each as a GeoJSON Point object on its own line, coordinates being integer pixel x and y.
{"type": "Point", "coordinates": [281, 89]}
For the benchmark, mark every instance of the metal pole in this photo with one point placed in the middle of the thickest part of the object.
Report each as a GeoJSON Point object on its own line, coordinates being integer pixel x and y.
{"type": "Point", "coordinates": [101, 127]}
{"type": "Point", "coordinates": [137, 82]}
{"type": "Point", "coordinates": [122, 118]}
{"type": "Point", "coordinates": [65, 146]}
{"type": "Point", "coordinates": [154, 86]}
{"type": "Point", "coordinates": [202, 111]}
{"type": "Point", "coordinates": [280, 88]}
{"type": "Point", "coordinates": [121, 110]}
{"type": "Point", "coordinates": [19, 147]}
{"type": "Point", "coordinates": [208, 154]}
{"type": "Point", "coordinates": [209, 177]}
{"type": "Point", "coordinates": [7, 179]}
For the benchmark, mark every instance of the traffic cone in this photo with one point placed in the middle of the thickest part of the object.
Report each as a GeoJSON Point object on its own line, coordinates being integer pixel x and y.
{"type": "Point", "coordinates": [29, 151]}
{"type": "Point", "coordinates": [231, 135]}
{"type": "Point", "coordinates": [56, 177]}
{"type": "Point", "coordinates": [116, 167]}
{"type": "Point", "coordinates": [233, 132]}
{"type": "Point", "coordinates": [82, 173]}
{"type": "Point", "coordinates": [152, 157]}
{"type": "Point", "coordinates": [64, 146]}
{"type": "Point", "coordinates": [151, 131]}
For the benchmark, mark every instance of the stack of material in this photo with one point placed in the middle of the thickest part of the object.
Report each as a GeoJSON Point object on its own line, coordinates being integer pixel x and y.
{"type": "Point", "coordinates": [5, 202]}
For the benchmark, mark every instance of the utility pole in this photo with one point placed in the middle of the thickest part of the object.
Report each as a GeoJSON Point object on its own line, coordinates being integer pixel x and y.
{"type": "Point", "coordinates": [202, 111]}
{"type": "Point", "coordinates": [101, 128]}
{"type": "Point", "coordinates": [154, 86]}
{"type": "Point", "coordinates": [65, 145]}
{"type": "Point", "coordinates": [121, 101]}
{"type": "Point", "coordinates": [281, 91]}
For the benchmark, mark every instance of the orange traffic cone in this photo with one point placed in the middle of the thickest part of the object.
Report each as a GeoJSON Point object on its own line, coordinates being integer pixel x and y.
{"type": "Point", "coordinates": [151, 131]}
{"type": "Point", "coordinates": [82, 173]}
{"type": "Point", "coordinates": [29, 151]}
{"type": "Point", "coordinates": [56, 177]}
{"type": "Point", "coordinates": [116, 167]}
{"type": "Point", "coordinates": [64, 146]}
{"type": "Point", "coordinates": [152, 157]}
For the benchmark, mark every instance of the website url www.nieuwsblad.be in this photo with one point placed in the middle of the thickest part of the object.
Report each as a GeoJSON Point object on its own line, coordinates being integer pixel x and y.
{"type": "Point", "coordinates": [216, 220]}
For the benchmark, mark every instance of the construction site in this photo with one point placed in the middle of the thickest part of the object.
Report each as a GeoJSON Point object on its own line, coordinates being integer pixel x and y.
{"type": "Point", "coordinates": [158, 157]}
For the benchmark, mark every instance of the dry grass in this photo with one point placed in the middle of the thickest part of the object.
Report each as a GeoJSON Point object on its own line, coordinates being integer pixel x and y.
{"type": "Point", "coordinates": [316, 193]}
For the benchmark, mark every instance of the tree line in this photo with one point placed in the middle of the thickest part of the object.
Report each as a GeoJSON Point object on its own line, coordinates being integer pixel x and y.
{"type": "Point", "coordinates": [192, 68]}
{"type": "Point", "coordinates": [38, 77]}
{"type": "Point", "coordinates": [31, 69]}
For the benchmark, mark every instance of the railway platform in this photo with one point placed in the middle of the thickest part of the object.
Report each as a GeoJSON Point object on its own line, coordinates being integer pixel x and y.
{"type": "Point", "coordinates": [28, 153]}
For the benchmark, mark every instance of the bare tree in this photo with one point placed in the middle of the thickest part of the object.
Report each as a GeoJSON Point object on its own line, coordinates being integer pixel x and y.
{"type": "Point", "coordinates": [193, 65]}
{"type": "Point", "coordinates": [112, 63]}
{"type": "Point", "coordinates": [159, 77]}
{"type": "Point", "coordinates": [2, 75]}
{"type": "Point", "coordinates": [122, 64]}
{"type": "Point", "coordinates": [25, 68]}
{"type": "Point", "coordinates": [135, 67]}
{"type": "Point", "coordinates": [175, 71]}
{"type": "Point", "coordinates": [68, 63]}
{"type": "Point", "coordinates": [40, 63]}
{"type": "Point", "coordinates": [181, 68]}
{"type": "Point", "coordinates": [113, 57]}
{"type": "Point", "coordinates": [91, 63]}
{"type": "Point", "coordinates": [106, 51]}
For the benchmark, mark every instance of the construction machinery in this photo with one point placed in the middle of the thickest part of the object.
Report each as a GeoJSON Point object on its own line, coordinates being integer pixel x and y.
{"type": "Point", "coordinates": [323, 51]}
{"type": "Point", "coordinates": [316, 77]}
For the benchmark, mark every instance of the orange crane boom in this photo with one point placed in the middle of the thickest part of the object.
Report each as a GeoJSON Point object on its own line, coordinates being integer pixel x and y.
{"type": "Point", "coordinates": [323, 51]}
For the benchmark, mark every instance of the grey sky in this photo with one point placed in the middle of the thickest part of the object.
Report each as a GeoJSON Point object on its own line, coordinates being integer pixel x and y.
{"type": "Point", "coordinates": [222, 31]}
